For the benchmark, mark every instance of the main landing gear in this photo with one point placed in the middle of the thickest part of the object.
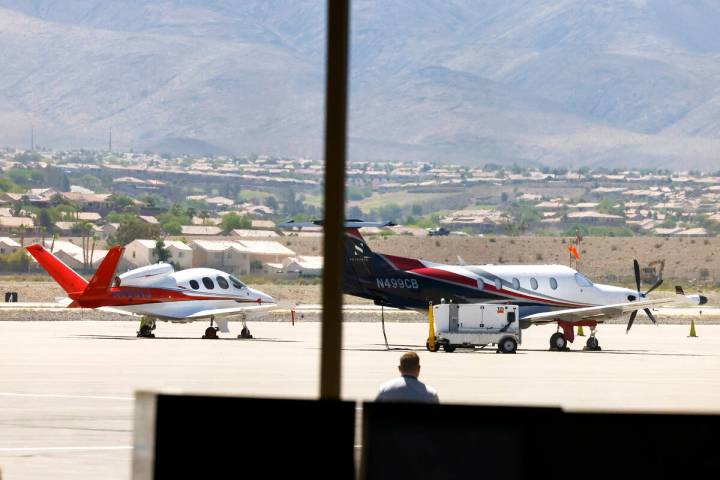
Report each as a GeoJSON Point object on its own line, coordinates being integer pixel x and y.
{"type": "Point", "coordinates": [211, 332]}
{"type": "Point", "coordinates": [559, 340]}
{"type": "Point", "coordinates": [147, 325]}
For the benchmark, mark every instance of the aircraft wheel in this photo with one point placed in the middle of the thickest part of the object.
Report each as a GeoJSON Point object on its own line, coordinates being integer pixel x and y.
{"type": "Point", "coordinates": [449, 348]}
{"type": "Point", "coordinates": [145, 332]}
{"type": "Point", "coordinates": [507, 345]}
{"type": "Point", "coordinates": [245, 333]}
{"type": "Point", "coordinates": [558, 341]}
{"type": "Point", "coordinates": [434, 349]}
{"type": "Point", "coordinates": [210, 332]}
{"type": "Point", "coordinates": [592, 344]}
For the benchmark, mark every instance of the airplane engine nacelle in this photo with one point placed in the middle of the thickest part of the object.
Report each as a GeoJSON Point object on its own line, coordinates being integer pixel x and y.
{"type": "Point", "coordinates": [146, 276]}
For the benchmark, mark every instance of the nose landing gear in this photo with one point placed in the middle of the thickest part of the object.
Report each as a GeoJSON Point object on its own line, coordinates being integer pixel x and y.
{"type": "Point", "coordinates": [592, 343]}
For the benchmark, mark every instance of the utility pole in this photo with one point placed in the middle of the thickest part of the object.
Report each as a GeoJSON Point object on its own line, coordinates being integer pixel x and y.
{"type": "Point", "coordinates": [110, 141]}
{"type": "Point", "coordinates": [32, 138]}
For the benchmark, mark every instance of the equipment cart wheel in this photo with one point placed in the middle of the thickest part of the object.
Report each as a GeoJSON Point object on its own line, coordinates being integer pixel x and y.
{"type": "Point", "coordinates": [558, 341]}
{"type": "Point", "coordinates": [435, 348]}
{"type": "Point", "coordinates": [507, 345]}
{"type": "Point", "coordinates": [449, 348]}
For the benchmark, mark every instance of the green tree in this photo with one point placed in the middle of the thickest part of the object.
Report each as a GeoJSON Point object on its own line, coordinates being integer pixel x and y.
{"type": "Point", "coordinates": [121, 203]}
{"type": "Point", "coordinates": [161, 252]}
{"type": "Point", "coordinates": [271, 201]}
{"type": "Point", "coordinates": [132, 228]}
{"type": "Point", "coordinates": [16, 261]}
{"type": "Point", "coordinates": [45, 220]}
{"type": "Point", "coordinates": [92, 182]}
{"type": "Point", "coordinates": [231, 221]}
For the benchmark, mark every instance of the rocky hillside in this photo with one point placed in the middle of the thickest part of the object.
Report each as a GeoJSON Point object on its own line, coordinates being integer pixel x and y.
{"type": "Point", "coordinates": [623, 82]}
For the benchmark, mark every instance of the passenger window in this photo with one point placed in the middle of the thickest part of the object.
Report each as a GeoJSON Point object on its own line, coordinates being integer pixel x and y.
{"type": "Point", "coordinates": [208, 283]}
{"type": "Point", "coordinates": [498, 284]}
{"type": "Point", "coordinates": [222, 282]}
{"type": "Point", "coordinates": [553, 283]}
{"type": "Point", "coordinates": [516, 283]}
{"type": "Point", "coordinates": [194, 285]}
{"type": "Point", "coordinates": [533, 283]}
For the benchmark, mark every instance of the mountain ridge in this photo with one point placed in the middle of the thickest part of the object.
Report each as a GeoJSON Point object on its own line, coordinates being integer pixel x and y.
{"type": "Point", "coordinates": [622, 83]}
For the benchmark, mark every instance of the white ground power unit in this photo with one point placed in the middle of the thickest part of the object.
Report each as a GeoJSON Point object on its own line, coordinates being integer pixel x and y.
{"type": "Point", "coordinates": [476, 324]}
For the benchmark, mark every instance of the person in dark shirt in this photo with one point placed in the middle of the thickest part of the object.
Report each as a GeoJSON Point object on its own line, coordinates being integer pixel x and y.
{"type": "Point", "coordinates": [407, 388]}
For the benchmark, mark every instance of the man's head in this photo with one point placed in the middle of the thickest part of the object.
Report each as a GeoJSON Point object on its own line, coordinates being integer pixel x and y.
{"type": "Point", "coordinates": [409, 364]}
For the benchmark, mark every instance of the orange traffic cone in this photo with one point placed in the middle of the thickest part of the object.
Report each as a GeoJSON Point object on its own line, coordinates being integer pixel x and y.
{"type": "Point", "coordinates": [692, 329]}
{"type": "Point", "coordinates": [580, 331]}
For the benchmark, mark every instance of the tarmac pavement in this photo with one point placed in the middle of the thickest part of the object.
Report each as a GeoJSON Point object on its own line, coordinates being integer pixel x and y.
{"type": "Point", "coordinates": [66, 387]}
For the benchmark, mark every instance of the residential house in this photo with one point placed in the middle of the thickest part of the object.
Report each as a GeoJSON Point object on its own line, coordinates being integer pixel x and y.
{"type": "Point", "coordinates": [262, 224]}
{"type": "Point", "coordinates": [90, 202]}
{"type": "Point", "coordinates": [244, 233]}
{"type": "Point", "coordinates": [264, 251]}
{"type": "Point", "coordinates": [595, 218]}
{"type": "Point", "coordinates": [304, 265]}
{"type": "Point", "coordinates": [198, 230]}
{"type": "Point", "coordinates": [149, 219]}
{"type": "Point", "coordinates": [92, 217]}
{"type": "Point", "coordinates": [8, 245]}
{"type": "Point", "coordinates": [142, 252]}
{"type": "Point", "coordinates": [222, 255]}
{"type": "Point", "coordinates": [9, 224]}
{"type": "Point", "coordinates": [74, 256]}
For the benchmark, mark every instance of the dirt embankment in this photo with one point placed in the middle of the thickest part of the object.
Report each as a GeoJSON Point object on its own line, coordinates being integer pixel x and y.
{"type": "Point", "coordinates": [604, 259]}
{"type": "Point", "coordinates": [694, 263]}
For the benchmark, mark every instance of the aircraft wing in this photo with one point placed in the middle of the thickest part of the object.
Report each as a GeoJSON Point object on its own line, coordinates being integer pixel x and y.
{"type": "Point", "coordinates": [220, 312]}
{"type": "Point", "coordinates": [118, 311]}
{"type": "Point", "coordinates": [600, 313]}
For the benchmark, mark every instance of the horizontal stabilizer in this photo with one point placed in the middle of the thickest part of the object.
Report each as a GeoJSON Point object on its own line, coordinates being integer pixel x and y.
{"type": "Point", "coordinates": [65, 276]}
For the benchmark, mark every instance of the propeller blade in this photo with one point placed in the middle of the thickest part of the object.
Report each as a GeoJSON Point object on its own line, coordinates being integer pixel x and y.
{"type": "Point", "coordinates": [632, 319]}
{"type": "Point", "coordinates": [657, 284]}
{"type": "Point", "coordinates": [649, 314]}
{"type": "Point", "coordinates": [636, 266]}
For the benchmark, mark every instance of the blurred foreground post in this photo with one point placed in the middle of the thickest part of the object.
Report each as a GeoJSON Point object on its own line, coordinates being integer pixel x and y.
{"type": "Point", "coordinates": [335, 150]}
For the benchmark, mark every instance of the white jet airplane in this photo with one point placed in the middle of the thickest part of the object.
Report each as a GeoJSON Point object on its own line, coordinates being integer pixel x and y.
{"type": "Point", "coordinates": [157, 292]}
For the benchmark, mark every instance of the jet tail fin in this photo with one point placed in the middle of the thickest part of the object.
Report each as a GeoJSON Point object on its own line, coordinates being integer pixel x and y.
{"type": "Point", "coordinates": [65, 276]}
{"type": "Point", "coordinates": [105, 273]}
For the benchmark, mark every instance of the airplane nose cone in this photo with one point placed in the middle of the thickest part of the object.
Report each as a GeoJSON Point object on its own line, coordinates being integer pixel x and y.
{"type": "Point", "coordinates": [262, 297]}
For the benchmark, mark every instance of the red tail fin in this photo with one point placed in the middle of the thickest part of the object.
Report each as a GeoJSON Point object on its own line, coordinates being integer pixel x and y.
{"type": "Point", "coordinates": [68, 279]}
{"type": "Point", "coordinates": [354, 232]}
{"type": "Point", "coordinates": [103, 277]}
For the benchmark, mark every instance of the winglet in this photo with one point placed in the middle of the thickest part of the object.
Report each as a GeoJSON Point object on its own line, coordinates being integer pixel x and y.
{"type": "Point", "coordinates": [68, 279]}
{"type": "Point", "coordinates": [105, 273]}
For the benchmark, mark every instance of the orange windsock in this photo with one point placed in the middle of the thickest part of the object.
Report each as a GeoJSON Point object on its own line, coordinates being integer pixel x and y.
{"type": "Point", "coordinates": [574, 252]}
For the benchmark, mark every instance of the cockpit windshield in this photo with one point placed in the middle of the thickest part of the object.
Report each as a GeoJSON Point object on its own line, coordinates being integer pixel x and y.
{"type": "Point", "coordinates": [582, 280]}
{"type": "Point", "coordinates": [236, 283]}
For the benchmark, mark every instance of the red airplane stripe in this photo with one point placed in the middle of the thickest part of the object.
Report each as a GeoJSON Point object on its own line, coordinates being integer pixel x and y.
{"type": "Point", "coordinates": [444, 275]}
{"type": "Point", "coordinates": [403, 263]}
